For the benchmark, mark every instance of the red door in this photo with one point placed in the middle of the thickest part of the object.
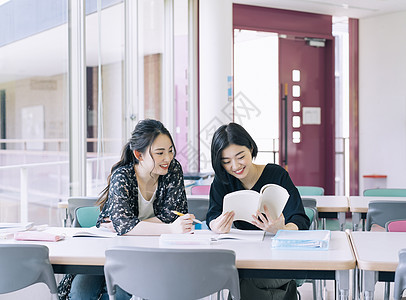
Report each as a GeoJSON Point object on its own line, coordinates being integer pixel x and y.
{"type": "Point", "coordinates": [307, 112]}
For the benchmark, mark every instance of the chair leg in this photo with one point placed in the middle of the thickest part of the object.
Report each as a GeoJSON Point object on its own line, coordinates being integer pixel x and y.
{"type": "Point", "coordinates": [314, 284]}
{"type": "Point", "coordinates": [387, 291]}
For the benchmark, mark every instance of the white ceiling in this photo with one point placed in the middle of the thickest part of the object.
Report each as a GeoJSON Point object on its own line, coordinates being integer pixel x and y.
{"type": "Point", "coordinates": [342, 8]}
{"type": "Point", "coordinates": [28, 57]}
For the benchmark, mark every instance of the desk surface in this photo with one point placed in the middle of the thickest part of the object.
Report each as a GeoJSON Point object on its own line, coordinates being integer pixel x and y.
{"type": "Point", "coordinates": [359, 204]}
{"type": "Point", "coordinates": [249, 255]}
{"type": "Point", "coordinates": [330, 203]}
{"type": "Point", "coordinates": [377, 251]}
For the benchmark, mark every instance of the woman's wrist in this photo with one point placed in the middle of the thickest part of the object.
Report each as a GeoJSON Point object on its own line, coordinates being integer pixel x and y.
{"type": "Point", "coordinates": [291, 226]}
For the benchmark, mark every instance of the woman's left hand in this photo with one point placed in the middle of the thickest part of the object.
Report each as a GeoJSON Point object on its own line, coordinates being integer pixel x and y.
{"type": "Point", "coordinates": [106, 223]}
{"type": "Point", "coordinates": [266, 223]}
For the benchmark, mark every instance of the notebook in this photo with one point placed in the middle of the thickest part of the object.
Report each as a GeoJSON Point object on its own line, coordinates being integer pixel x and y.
{"type": "Point", "coordinates": [301, 239]}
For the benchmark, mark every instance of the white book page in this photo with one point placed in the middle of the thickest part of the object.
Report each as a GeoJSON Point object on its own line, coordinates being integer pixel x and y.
{"type": "Point", "coordinates": [242, 235]}
{"type": "Point", "coordinates": [275, 198]}
{"type": "Point", "coordinates": [244, 203]}
{"type": "Point", "coordinates": [95, 232]}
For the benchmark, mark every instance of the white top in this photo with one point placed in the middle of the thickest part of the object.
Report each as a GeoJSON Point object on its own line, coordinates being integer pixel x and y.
{"type": "Point", "coordinates": [145, 208]}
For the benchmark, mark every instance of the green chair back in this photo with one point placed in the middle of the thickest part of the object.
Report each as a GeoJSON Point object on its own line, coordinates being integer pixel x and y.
{"type": "Point", "coordinates": [385, 192]}
{"type": "Point", "coordinates": [310, 214]}
{"type": "Point", "coordinates": [87, 216]}
{"type": "Point", "coordinates": [310, 190]}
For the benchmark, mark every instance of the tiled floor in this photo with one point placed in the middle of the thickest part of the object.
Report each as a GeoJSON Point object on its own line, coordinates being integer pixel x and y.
{"type": "Point", "coordinates": [306, 291]}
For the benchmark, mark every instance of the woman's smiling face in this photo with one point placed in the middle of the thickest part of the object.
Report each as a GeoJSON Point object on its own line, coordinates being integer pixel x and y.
{"type": "Point", "coordinates": [159, 156]}
{"type": "Point", "coordinates": [236, 160]}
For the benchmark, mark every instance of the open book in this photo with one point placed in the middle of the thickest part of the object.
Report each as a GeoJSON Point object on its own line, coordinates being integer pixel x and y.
{"type": "Point", "coordinates": [94, 232]}
{"type": "Point", "coordinates": [245, 203]}
{"type": "Point", "coordinates": [242, 235]}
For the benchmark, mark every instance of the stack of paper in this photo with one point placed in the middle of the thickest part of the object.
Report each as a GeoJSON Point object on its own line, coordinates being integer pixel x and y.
{"type": "Point", "coordinates": [301, 239]}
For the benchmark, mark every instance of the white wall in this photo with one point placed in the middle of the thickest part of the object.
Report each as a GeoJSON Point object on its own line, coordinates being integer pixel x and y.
{"type": "Point", "coordinates": [382, 98]}
{"type": "Point", "coordinates": [216, 65]}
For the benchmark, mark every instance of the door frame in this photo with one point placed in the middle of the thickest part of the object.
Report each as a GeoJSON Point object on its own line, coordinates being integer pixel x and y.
{"type": "Point", "coordinates": [299, 24]}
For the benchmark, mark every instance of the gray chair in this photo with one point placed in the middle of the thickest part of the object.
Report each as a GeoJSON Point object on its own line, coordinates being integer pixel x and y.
{"type": "Point", "coordinates": [23, 265]}
{"type": "Point", "coordinates": [198, 206]}
{"type": "Point", "coordinates": [74, 202]}
{"type": "Point", "coordinates": [382, 211]}
{"type": "Point", "coordinates": [400, 276]}
{"type": "Point", "coordinates": [310, 205]}
{"type": "Point", "coordinates": [171, 274]}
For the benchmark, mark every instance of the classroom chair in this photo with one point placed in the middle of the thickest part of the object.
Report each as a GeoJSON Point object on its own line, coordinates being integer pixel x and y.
{"type": "Point", "coordinates": [310, 206]}
{"type": "Point", "coordinates": [396, 226]}
{"type": "Point", "coordinates": [310, 190]}
{"type": "Point", "coordinates": [382, 211]}
{"type": "Point", "coordinates": [200, 190]}
{"type": "Point", "coordinates": [184, 274]}
{"type": "Point", "coordinates": [311, 212]}
{"type": "Point", "coordinates": [86, 216]}
{"type": "Point", "coordinates": [385, 192]}
{"type": "Point", "coordinates": [198, 206]}
{"type": "Point", "coordinates": [400, 276]}
{"type": "Point", "coordinates": [23, 265]}
{"type": "Point", "coordinates": [74, 202]}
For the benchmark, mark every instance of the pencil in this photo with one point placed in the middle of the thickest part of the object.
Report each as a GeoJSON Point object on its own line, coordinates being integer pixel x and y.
{"type": "Point", "coordinates": [180, 214]}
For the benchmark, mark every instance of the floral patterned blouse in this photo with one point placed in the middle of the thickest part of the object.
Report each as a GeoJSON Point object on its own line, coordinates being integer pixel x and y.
{"type": "Point", "coordinates": [122, 203]}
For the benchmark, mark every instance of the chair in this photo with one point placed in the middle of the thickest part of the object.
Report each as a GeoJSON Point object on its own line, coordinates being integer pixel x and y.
{"type": "Point", "coordinates": [23, 265]}
{"type": "Point", "coordinates": [310, 206]}
{"type": "Point", "coordinates": [396, 226]}
{"type": "Point", "coordinates": [400, 276]}
{"type": "Point", "coordinates": [311, 212]}
{"type": "Point", "coordinates": [198, 206]}
{"type": "Point", "coordinates": [310, 190]}
{"type": "Point", "coordinates": [382, 211]}
{"type": "Point", "coordinates": [385, 192]}
{"type": "Point", "coordinates": [74, 202]}
{"type": "Point", "coordinates": [86, 216]}
{"type": "Point", "coordinates": [200, 190]}
{"type": "Point", "coordinates": [184, 274]}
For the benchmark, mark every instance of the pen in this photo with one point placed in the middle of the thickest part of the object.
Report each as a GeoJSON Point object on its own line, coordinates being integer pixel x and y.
{"type": "Point", "coordinates": [180, 214]}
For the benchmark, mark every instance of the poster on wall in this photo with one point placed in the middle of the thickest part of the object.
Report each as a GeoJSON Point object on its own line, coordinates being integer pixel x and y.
{"type": "Point", "coordinates": [33, 127]}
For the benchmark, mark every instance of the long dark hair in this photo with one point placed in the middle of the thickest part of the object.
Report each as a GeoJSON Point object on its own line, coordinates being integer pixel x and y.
{"type": "Point", "coordinates": [225, 135]}
{"type": "Point", "coordinates": [144, 134]}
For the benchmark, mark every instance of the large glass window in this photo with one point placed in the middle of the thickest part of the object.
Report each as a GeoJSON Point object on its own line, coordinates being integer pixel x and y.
{"type": "Point", "coordinates": [33, 110]}
{"type": "Point", "coordinates": [105, 90]}
{"type": "Point", "coordinates": [138, 39]}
